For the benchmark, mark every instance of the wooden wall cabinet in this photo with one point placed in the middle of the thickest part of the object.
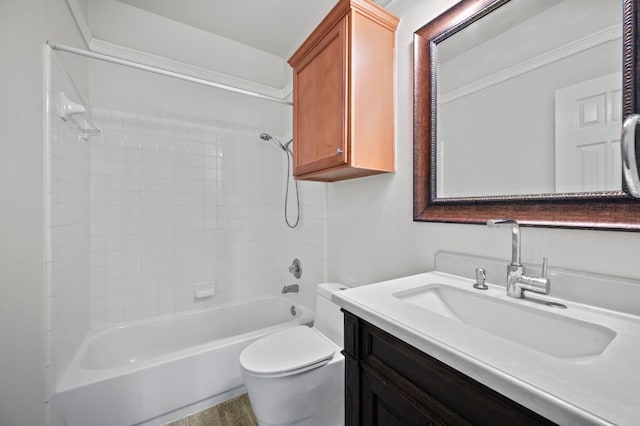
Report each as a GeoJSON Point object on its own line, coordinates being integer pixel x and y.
{"type": "Point", "coordinates": [343, 95]}
{"type": "Point", "coordinates": [388, 382]}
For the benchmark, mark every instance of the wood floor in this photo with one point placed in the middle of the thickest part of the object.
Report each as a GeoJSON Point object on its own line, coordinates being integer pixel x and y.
{"type": "Point", "coordinates": [235, 412]}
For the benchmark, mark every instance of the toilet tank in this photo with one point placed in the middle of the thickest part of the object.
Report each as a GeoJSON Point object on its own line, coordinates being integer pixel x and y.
{"type": "Point", "coordinates": [328, 317]}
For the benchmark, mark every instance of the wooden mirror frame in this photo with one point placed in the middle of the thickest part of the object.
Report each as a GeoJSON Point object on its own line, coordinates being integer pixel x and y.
{"type": "Point", "coordinates": [597, 210]}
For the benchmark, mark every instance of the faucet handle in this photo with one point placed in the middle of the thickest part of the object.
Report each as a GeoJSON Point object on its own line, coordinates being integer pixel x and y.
{"type": "Point", "coordinates": [544, 267]}
{"type": "Point", "coordinates": [544, 278]}
{"type": "Point", "coordinates": [296, 268]}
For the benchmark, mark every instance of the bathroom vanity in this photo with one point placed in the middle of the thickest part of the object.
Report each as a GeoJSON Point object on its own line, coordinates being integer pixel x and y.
{"type": "Point", "coordinates": [429, 349]}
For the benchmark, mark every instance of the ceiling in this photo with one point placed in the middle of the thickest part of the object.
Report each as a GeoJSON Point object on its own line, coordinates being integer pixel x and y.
{"type": "Point", "coordinates": [274, 26]}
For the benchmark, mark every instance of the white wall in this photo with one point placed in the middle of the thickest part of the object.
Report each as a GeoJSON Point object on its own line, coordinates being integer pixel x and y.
{"type": "Point", "coordinates": [21, 291]}
{"type": "Point", "coordinates": [141, 30]}
{"type": "Point", "coordinates": [124, 89]}
{"type": "Point", "coordinates": [371, 235]}
{"type": "Point", "coordinates": [24, 26]}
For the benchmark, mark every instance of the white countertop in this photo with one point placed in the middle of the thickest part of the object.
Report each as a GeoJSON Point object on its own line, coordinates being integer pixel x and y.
{"type": "Point", "coordinates": [601, 390]}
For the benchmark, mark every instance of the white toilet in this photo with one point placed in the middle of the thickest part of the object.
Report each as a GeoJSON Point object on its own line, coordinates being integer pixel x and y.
{"type": "Point", "coordinates": [296, 376]}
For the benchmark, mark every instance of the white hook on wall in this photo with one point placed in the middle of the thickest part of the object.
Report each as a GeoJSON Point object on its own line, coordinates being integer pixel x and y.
{"type": "Point", "coordinates": [69, 111]}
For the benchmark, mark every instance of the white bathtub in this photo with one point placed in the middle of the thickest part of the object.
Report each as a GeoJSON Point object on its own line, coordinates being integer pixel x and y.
{"type": "Point", "coordinates": [153, 371]}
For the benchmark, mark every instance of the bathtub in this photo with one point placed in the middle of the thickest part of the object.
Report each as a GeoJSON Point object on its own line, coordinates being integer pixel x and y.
{"type": "Point", "coordinates": [155, 371]}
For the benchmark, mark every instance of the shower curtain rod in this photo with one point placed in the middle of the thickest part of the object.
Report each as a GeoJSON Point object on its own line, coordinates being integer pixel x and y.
{"type": "Point", "coordinates": [113, 59]}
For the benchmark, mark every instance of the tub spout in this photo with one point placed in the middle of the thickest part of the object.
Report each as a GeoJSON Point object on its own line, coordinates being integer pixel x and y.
{"type": "Point", "coordinates": [293, 288]}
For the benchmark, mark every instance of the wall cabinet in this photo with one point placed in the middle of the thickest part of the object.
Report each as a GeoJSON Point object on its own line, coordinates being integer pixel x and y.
{"type": "Point", "coordinates": [389, 382]}
{"type": "Point", "coordinates": [343, 95]}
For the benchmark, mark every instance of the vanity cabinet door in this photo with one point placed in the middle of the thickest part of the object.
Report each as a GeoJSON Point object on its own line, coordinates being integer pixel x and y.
{"type": "Point", "coordinates": [343, 95]}
{"type": "Point", "coordinates": [320, 93]}
{"type": "Point", "coordinates": [390, 399]}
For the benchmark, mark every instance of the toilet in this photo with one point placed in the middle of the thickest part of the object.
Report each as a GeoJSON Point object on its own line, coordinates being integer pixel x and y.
{"type": "Point", "coordinates": [296, 376]}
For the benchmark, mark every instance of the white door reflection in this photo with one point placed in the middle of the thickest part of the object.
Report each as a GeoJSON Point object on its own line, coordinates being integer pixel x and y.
{"type": "Point", "coordinates": [587, 135]}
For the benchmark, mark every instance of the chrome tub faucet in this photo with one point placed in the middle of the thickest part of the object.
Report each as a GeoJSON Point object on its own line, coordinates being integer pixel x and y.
{"type": "Point", "coordinates": [293, 288]}
{"type": "Point", "coordinates": [517, 282]}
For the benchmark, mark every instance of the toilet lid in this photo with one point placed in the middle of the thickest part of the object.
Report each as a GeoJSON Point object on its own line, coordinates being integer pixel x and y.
{"type": "Point", "coordinates": [288, 350]}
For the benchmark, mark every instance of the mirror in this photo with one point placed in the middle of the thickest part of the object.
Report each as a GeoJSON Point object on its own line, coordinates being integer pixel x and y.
{"type": "Point", "coordinates": [511, 68]}
{"type": "Point", "coordinates": [518, 109]}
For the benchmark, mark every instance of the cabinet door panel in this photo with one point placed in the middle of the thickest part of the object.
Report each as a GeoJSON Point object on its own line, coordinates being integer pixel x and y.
{"type": "Point", "coordinates": [399, 384]}
{"type": "Point", "coordinates": [470, 399]}
{"type": "Point", "coordinates": [319, 105]}
{"type": "Point", "coordinates": [390, 399]}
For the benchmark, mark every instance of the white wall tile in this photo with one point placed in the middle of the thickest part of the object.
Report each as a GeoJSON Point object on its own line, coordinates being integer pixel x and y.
{"type": "Point", "coordinates": [67, 223]}
{"type": "Point", "coordinates": [172, 204]}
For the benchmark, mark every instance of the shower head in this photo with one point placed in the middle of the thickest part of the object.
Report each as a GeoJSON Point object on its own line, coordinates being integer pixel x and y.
{"type": "Point", "coordinates": [285, 147]}
{"type": "Point", "coordinates": [267, 137]}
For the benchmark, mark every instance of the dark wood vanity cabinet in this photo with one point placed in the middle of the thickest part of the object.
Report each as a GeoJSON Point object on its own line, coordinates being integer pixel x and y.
{"type": "Point", "coordinates": [389, 382]}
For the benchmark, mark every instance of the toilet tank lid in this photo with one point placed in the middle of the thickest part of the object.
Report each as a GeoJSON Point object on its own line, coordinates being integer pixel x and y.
{"type": "Point", "coordinates": [288, 350]}
{"type": "Point", "coordinates": [327, 289]}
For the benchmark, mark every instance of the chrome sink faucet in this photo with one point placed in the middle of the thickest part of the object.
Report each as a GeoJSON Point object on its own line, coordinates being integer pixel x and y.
{"type": "Point", "coordinates": [517, 282]}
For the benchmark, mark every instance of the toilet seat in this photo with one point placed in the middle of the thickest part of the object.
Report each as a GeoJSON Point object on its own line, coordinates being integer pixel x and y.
{"type": "Point", "coordinates": [287, 352]}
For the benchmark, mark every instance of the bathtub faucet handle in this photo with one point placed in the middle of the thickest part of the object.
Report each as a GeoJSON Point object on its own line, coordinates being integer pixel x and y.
{"type": "Point", "coordinates": [296, 268]}
{"type": "Point", "coordinates": [293, 288]}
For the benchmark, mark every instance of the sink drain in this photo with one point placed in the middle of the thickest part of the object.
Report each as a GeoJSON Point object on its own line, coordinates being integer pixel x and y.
{"type": "Point", "coordinates": [556, 305]}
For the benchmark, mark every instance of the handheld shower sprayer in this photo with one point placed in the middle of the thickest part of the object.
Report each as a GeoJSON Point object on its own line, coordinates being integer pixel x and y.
{"type": "Point", "coordinates": [285, 147]}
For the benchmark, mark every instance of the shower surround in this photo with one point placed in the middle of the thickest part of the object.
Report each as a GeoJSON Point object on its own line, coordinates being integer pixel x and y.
{"type": "Point", "coordinates": [137, 216]}
{"type": "Point", "coordinates": [175, 203]}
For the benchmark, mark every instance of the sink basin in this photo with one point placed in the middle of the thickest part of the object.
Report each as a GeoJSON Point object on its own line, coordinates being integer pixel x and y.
{"type": "Point", "coordinates": [556, 335]}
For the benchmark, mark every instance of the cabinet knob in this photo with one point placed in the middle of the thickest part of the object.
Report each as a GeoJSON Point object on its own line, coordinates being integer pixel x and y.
{"type": "Point", "coordinates": [338, 151]}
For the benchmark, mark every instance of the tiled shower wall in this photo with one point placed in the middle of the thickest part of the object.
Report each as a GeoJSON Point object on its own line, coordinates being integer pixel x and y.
{"type": "Point", "coordinates": [307, 241]}
{"type": "Point", "coordinates": [135, 217]}
{"type": "Point", "coordinates": [67, 228]}
{"type": "Point", "coordinates": [176, 203]}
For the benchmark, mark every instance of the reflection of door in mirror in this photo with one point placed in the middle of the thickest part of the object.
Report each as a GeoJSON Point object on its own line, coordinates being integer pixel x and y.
{"type": "Point", "coordinates": [587, 143]}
